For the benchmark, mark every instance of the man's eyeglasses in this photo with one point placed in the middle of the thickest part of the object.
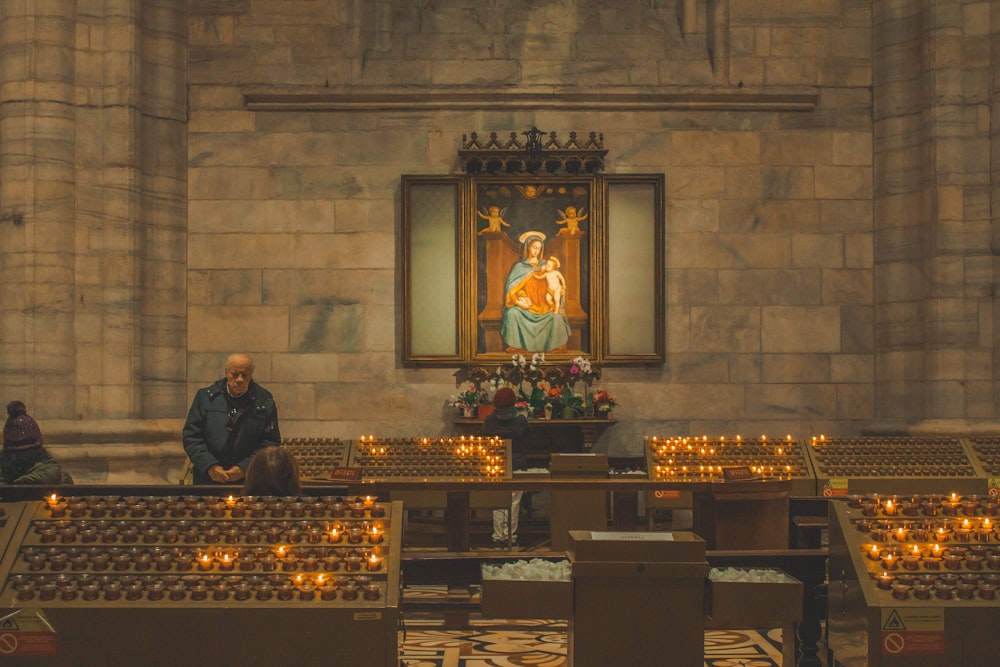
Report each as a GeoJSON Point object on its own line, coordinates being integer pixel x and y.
{"type": "Point", "coordinates": [231, 420]}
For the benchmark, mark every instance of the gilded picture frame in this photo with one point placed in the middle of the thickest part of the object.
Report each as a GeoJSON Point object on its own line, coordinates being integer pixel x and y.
{"type": "Point", "coordinates": [477, 288]}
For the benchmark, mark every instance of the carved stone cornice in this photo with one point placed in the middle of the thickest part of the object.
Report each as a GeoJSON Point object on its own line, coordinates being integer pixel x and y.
{"type": "Point", "coordinates": [743, 99]}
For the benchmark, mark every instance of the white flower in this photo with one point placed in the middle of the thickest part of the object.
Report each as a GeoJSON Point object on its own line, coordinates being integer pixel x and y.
{"type": "Point", "coordinates": [518, 361]}
{"type": "Point", "coordinates": [536, 359]}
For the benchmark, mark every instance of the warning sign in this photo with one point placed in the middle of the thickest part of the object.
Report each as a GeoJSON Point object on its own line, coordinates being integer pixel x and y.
{"type": "Point", "coordinates": [994, 486]}
{"type": "Point", "coordinates": [912, 631]}
{"type": "Point", "coordinates": [894, 622]}
{"type": "Point", "coordinates": [26, 632]}
{"type": "Point", "coordinates": [835, 487]}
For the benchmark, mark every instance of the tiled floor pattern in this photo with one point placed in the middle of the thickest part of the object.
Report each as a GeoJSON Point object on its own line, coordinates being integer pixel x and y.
{"type": "Point", "coordinates": [540, 643]}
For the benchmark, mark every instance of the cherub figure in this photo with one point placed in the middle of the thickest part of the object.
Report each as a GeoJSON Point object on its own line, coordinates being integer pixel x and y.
{"type": "Point", "coordinates": [572, 219]}
{"type": "Point", "coordinates": [494, 216]}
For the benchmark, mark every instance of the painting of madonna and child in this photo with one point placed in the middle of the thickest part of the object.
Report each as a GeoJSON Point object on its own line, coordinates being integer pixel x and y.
{"type": "Point", "coordinates": [533, 267]}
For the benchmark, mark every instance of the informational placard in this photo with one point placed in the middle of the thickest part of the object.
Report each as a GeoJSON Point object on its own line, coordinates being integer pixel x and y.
{"type": "Point", "coordinates": [912, 631]}
{"type": "Point", "coordinates": [738, 474]}
{"type": "Point", "coordinates": [632, 537]}
{"type": "Point", "coordinates": [345, 474]}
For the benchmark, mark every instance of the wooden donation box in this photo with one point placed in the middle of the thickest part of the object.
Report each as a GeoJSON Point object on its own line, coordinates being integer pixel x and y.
{"type": "Point", "coordinates": [750, 515]}
{"type": "Point", "coordinates": [638, 599]}
{"type": "Point", "coordinates": [577, 510]}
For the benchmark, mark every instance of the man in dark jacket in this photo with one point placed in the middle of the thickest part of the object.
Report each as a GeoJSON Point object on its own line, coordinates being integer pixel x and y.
{"type": "Point", "coordinates": [228, 422]}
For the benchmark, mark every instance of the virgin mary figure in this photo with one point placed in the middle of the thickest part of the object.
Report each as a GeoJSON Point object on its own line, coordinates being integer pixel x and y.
{"type": "Point", "coordinates": [530, 322]}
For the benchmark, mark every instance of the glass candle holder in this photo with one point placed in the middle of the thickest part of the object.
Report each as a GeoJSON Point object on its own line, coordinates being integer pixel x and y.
{"type": "Point", "coordinates": [268, 562]}
{"type": "Point", "coordinates": [952, 561]}
{"type": "Point", "coordinates": [349, 591]}
{"type": "Point", "coordinates": [177, 592]}
{"type": "Point", "coordinates": [373, 563]}
{"type": "Point", "coordinates": [264, 591]}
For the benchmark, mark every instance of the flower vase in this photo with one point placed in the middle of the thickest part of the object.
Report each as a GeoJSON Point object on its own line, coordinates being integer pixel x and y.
{"type": "Point", "coordinates": [567, 412]}
{"type": "Point", "coordinates": [468, 411]}
{"type": "Point", "coordinates": [547, 411]}
{"type": "Point", "coordinates": [484, 411]}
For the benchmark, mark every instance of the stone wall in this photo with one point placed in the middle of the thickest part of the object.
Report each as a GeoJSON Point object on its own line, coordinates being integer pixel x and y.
{"type": "Point", "coordinates": [769, 208]}
{"type": "Point", "coordinates": [233, 184]}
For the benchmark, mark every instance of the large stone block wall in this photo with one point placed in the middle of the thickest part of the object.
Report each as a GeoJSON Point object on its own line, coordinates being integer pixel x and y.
{"type": "Point", "coordinates": [293, 214]}
{"type": "Point", "coordinates": [828, 262]}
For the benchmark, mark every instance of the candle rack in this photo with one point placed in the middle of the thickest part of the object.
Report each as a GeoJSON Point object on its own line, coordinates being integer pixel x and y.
{"type": "Point", "coordinates": [930, 562]}
{"type": "Point", "coordinates": [986, 451]}
{"type": "Point", "coordinates": [704, 459]}
{"type": "Point", "coordinates": [205, 550]}
{"type": "Point", "coordinates": [465, 458]}
{"type": "Point", "coordinates": [145, 576]}
{"type": "Point", "coordinates": [894, 465]}
{"type": "Point", "coordinates": [318, 457]}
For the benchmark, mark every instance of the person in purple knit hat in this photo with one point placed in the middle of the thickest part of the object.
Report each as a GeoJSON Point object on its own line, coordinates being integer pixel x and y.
{"type": "Point", "coordinates": [24, 459]}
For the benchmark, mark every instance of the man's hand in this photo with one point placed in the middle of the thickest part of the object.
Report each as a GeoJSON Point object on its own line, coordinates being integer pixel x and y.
{"type": "Point", "coordinates": [221, 476]}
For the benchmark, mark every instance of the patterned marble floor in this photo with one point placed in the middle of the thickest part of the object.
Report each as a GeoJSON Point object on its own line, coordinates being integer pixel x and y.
{"type": "Point", "coordinates": [541, 643]}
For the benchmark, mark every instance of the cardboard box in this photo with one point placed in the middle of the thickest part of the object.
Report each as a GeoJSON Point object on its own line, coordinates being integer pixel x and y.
{"type": "Point", "coordinates": [526, 598]}
{"type": "Point", "coordinates": [609, 546]}
{"type": "Point", "coordinates": [745, 604]}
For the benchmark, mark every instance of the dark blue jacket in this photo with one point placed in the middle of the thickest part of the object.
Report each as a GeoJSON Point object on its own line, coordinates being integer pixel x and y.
{"type": "Point", "coordinates": [212, 436]}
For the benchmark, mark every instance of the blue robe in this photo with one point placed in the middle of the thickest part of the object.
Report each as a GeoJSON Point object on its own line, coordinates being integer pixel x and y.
{"type": "Point", "coordinates": [535, 329]}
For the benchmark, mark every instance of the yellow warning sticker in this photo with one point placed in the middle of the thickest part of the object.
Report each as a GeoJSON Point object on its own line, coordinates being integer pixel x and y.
{"type": "Point", "coordinates": [912, 619]}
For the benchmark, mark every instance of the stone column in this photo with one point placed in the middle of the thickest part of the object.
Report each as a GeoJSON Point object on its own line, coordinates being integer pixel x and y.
{"type": "Point", "coordinates": [37, 155]}
{"type": "Point", "coordinates": [933, 261]}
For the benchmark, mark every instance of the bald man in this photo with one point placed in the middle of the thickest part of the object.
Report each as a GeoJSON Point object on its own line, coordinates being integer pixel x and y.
{"type": "Point", "coordinates": [228, 422]}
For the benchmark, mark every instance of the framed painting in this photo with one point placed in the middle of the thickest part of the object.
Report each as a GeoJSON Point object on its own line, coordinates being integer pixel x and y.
{"type": "Point", "coordinates": [565, 265]}
{"type": "Point", "coordinates": [533, 266]}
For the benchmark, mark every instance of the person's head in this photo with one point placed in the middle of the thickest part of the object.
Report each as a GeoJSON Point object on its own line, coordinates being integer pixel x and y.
{"type": "Point", "coordinates": [534, 248]}
{"type": "Point", "coordinates": [20, 432]}
{"type": "Point", "coordinates": [239, 372]}
{"type": "Point", "coordinates": [273, 471]}
{"type": "Point", "coordinates": [552, 264]}
{"type": "Point", "coordinates": [504, 398]}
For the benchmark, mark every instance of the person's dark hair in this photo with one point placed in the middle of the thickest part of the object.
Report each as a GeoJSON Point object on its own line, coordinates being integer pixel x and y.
{"type": "Point", "coordinates": [273, 471]}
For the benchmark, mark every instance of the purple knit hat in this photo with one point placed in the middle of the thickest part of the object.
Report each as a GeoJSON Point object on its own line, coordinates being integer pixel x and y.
{"type": "Point", "coordinates": [21, 431]}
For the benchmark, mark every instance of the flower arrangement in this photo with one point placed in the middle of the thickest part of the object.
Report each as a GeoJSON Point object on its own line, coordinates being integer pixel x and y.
{"type": "Point", "coordinates": [603, 402]}
{"type": "Point", "coordinates": [540, 388]}
{"type": "Point", "coordinates": [469, 398]}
